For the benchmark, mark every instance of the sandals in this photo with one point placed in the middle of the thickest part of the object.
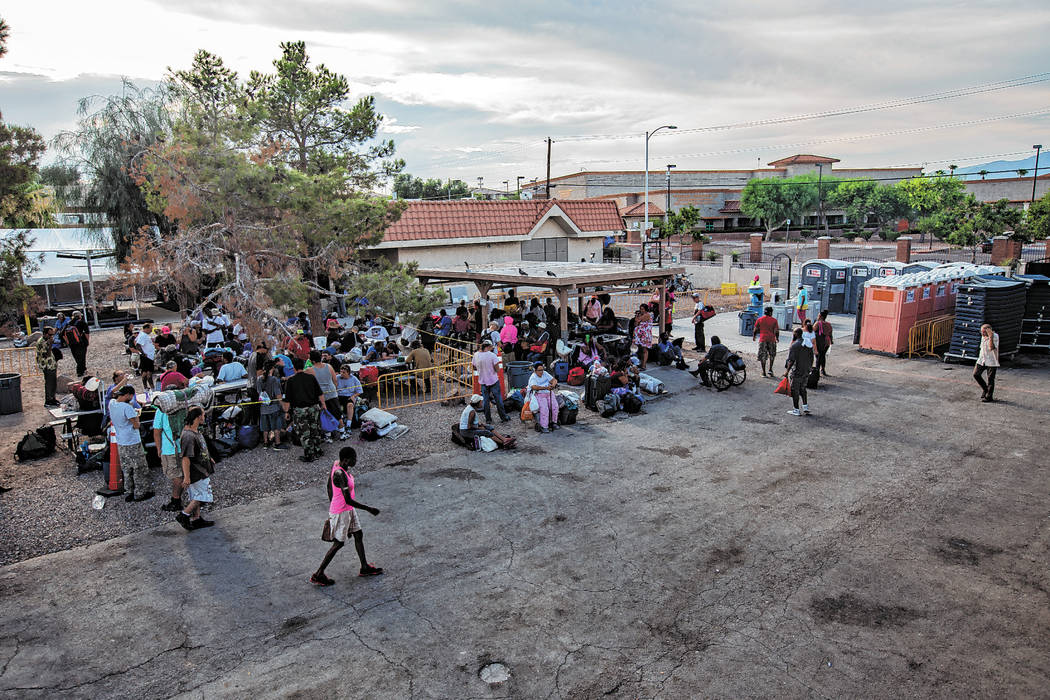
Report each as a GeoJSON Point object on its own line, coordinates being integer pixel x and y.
{"type": "Point", "coordinates": [370, 571]}
{"type": "Point", "coordinates": [321, 580]}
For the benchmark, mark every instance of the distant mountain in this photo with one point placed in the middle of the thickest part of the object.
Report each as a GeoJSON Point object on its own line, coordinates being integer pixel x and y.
{"type": "Point", "coordinates": [1010, 166]}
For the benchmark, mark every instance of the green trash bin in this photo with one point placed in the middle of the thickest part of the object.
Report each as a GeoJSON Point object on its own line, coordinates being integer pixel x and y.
{"type": "Point", "coordinates": [10, 393]}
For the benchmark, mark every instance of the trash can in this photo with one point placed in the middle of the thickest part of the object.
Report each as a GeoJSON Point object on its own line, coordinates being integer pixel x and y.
{"type": "Point", "coordinates": [747, 323]}
{"type": "Point", "coordinates": [10, 393]}
{"type": "Point", "coordinates": [784, 314]}
{"type": "Point", "coordinates": [518, 374]}
{"type": "Point", "coordinates": [778, 295]}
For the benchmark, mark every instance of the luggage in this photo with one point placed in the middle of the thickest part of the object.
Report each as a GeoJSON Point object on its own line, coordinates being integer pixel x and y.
{"type": "Point", "coordinates": [594, 390]}
{"type": "Point", "coordinates": [814, 378]}
{"type": "Point", "coordinates": [219, 448]}
{"type": "Point", "coordinates": [631, 403]}
{"type": "Point", "coordinates": [610, 405]}
{"type": "Point", "coordinates": [561, 370]}
{"type": "Point", "coordinates": [650, 384]}
{"type": "Point", "coordinates": [567, 415]}
{"type": "Point", "coordinates": [329, 423]}
{"type": "Point", "coordinates": [37, 444]}
{"type": "Point", "coordinates": [458, 438]}
{"type": "Point", "coordinates": [575, 376]}
{"type": "Point", "coordinates": [369, 431]}
{"type": "Point", "coordinates": [248, 436]}
{"type": "Point", "coordinates": [736, 363]}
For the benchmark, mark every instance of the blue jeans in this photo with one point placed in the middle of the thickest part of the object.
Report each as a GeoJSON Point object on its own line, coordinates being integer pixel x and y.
{"type": "Point", "coordinates": [493, 392]}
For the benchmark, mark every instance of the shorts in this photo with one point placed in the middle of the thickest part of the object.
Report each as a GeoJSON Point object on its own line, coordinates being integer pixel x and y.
{"type": "Point", "coordinates": [767, 350]}
{"type": "Point", "coordinates": [200, 491]}
{"type": "Point", "coordinates": [336, 408]}
{"type": "Point", "coordinates": [171, 467]}
{"type": "Point", "coordinates": [271, 422]}
{"type": "Point", "coordinates": [344, 524]}
{"type": "Point", "coordinates": [145, 363]}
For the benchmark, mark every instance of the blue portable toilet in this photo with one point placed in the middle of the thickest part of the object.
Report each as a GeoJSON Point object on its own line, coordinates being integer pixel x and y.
{"type": "Point", "coordinates": [827, 282]}
{"type": "Point", "coordinates": [890, 268]}
{"type": "Point", "coordinates": [860, 272]}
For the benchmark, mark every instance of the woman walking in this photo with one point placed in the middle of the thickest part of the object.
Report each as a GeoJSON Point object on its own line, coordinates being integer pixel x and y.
{"type": "Point", "coordinates": [987, 361]}
{"type": "Point", "coordinates": [824, 341]}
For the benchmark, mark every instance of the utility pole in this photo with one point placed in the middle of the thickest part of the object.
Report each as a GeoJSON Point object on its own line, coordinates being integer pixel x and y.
{"type": "Point", "coordinates": [518, 186]}
{"type": "Point", "coordinates": [645, 229]}
{"type": "Point", "coordinates": [820, 198]}
{"type": "Point", "coordinates": [549, 142]}
{"type": "Point", "coordinates": [1038, 147]}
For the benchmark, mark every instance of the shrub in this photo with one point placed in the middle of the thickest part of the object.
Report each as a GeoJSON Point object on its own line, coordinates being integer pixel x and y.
{"type": "Point", "coordinates": [712, 255]}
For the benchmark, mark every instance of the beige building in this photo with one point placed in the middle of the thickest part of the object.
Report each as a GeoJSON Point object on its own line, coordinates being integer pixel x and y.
{"type": "Point", "coordinates": [447, 234]}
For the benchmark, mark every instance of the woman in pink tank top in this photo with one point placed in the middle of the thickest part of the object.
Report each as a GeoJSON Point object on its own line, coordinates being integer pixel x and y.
{"type": "Point", "coordinates": [342, 517]}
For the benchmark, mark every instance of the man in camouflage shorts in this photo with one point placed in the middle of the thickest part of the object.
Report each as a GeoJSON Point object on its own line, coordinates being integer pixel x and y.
{"type": "Point", "coordinates": [767, 330]}
{"type": "Point", "coordinates": [303, 401]}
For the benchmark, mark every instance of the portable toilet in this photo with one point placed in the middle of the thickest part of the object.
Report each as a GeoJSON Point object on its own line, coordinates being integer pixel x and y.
{"type": "Point", "coordinates": [919, 266]}
{"type": "Point", "coordinates": [890, 310]}
{"type": "Point", "coordinates": [860, 272]}
{"type": "Point", "coordinates": [926, 288]}
{"type": "Point", "coordinates": [827, 281]}
{"type": "Point", "coordinates": [890, 268]}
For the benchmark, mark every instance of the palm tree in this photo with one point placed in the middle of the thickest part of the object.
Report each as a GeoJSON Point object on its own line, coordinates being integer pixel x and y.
{"type": "Point", "coordinates": [951, 170]}
{"type": "Point", "coordinates": [1022, 172]}
{"type": "Point", "coordinates": [982, 173]}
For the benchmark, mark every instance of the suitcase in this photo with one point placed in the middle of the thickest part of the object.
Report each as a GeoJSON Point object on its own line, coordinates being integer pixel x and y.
{"type": "Point", "coordinates": [567, 416]}
{"type": "Point", "coordinates": [814, 378]}
{"type": "Point", "coordinates": [595, 390]}
{"type": "Point", "coordinates": [561, 370]}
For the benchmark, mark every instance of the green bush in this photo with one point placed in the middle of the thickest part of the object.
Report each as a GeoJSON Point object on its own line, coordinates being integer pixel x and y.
{"type": "Point", "coordinates": [712, 255]}
{"type": "Point", "coordinates": [889, 235]}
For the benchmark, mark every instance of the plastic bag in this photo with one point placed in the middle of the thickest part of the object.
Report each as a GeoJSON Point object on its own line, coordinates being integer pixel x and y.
{"type": "Point", "coordinates": [329, 423]}
{"type": "Point", "coordinates": [486, 444]}
{"type": "Point", "coordinates": [534, 403]}
{"type": "Point", "coordinates": [784, 387]}
{"type": "Point", "coordinates": [526, 413]}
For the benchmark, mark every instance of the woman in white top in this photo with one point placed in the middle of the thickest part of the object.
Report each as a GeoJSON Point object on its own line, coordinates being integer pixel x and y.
{"type": "Point", "coordinates": [541, 385]}
{"type": "Point", "coordinates": [987, 361]}
{"type": "Point", "coordinates": [808, 335]}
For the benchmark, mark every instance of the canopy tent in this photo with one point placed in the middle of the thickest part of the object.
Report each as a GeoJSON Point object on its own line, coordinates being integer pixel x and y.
{"type": "Point", "coordinates": [68, 256]}
{"type": "Point", "coordinates": [562, 278]}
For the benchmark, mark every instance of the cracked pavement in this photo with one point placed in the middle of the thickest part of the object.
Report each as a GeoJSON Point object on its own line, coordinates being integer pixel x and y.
{"type": "Point", "coordinates": [893, 544]}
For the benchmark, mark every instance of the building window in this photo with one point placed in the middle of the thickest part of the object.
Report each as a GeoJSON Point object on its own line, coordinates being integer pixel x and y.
{"type": "Point", "coordinates": [709, 225]}
{"type": "Point", "coordinates": [545, 250]}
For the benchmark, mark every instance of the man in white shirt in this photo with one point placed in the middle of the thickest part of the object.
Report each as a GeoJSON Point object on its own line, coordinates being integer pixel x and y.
{"type": "Point", "coordinates": [215, 326]}
{"type": "Point", "coordinates": [147, 353]}
{"type": "Point", "coordinates": [377, 332]}
{"type": "Point", "coordinates": [698, 324]}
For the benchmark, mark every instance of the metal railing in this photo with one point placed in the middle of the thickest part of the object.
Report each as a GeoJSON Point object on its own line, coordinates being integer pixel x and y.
{"type": "Point", "coordinates": [926, 336]}
{"type": "Point", "coordinates": [415, 387]}
{"type": "Point", "coordinates": [20, 360]}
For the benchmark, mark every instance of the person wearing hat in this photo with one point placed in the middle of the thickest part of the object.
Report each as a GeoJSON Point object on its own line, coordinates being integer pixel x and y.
{"type": "Point", "coordinates": [214, 327]}
{"type": "Point", "coordinates": [486, 363]}
{"type": "Point", "coordinates": [77, 336]}
{"type": "Point", "coordinates": [165, 338]}
{"type": "Point", "coordinates": [125, 419]}
{"type": "Point", "coordinates": [541, 385]}
{"type": "Point", "coordinates": [470, 425]}
{"type": "Point", "coordinates": [172, 377]}
{"type": "Point", "coordinates": [802, 303]}
{"type": "Point", "coordinates": [698, 324]}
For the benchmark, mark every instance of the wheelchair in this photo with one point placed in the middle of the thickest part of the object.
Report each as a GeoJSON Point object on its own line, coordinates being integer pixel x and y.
{"type": "Point", "coordinates": [732, 372]}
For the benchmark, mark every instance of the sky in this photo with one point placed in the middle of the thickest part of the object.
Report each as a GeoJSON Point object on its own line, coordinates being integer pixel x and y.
{"type": "Point", "coordinates": [472, 89]}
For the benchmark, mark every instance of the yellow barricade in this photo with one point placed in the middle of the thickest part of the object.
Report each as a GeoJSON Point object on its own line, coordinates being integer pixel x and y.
{"type": "Point", "coordinates": [20, 360]}
{"type": "Point", "coordinates": [415, 387]}
{"type": "Point", "coordinates": [926, 336]}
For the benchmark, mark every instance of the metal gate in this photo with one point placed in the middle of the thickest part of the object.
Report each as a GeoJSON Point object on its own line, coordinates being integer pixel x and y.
{"type": "Point", "coordinates": [780, 271]}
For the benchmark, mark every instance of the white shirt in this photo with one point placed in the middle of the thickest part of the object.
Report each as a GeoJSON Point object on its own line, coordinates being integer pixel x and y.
{"type": "Point", "coordinates": [239, 332]}
{"type": "Point", "coordinates": [377, 332]}
{"type": "Point", "coordinates": [214, 326]}
{"type": "Point", "coordinates": [145, 342]}
{"type": "Point", "coordinates": [808, 338]}
{"type": "Point", "coordinates": [464, 418]}
{"type": "Point", "coordinates": [989, 356]}
{"type": "Point", "coordinates": [540, 380]}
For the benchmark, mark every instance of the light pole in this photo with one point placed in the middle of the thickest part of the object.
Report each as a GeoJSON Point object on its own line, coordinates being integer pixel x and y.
{"type": "Point", "coordinates": [518, 187]}
{"type": "Point", "coordinates": [506, 186]}
{"type": "Point", "coordinates": [645, 230]}
{"type": "Point", "coordinates": [667, 212]}
{"type": "Point", "coordinates": [1038, 147]}
{"type": "Point", "coordinates": [481, 179]}
{"type": "Point", "coordinates": [820, 198]}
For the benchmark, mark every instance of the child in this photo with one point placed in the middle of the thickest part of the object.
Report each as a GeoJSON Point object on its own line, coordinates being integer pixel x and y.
{"type": "Point", "coordinates": [349, 388]}
{"type": "Point", "coordinates": [197, 468]}
{"type": "Point", "coordinates": [343, 518]}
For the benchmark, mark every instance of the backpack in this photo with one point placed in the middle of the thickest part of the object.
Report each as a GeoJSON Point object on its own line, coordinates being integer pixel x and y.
{"type": "Point", "coordinates": [561, 371]}
{"type": "Point", "coordinates": [37, 444]}
{"type": "Point", "coordinates": [631, 403]}
{"type": "Point", "coordinates": [610, 405]}
{"type": "Point", "coordinates": [248, 436]}
{"type": "Point", "coordinates": [567, 415]}
{"type": "Point", "coordinates": [575, 377]}
{"type": "Point", "coordinates": [369, 431]}
{"type": "Point", "coordinates": [814, 378]}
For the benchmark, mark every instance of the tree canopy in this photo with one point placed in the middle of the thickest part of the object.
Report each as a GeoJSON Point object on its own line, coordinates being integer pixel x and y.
{"type": "Point", "coordinates": [777, 200]}
{"type": "Point", "coordinates": [1038, 221]}
{"type": "Point", "coordinates": [863, 199]}
{"type": "Point", "coordinates": [408, 187]}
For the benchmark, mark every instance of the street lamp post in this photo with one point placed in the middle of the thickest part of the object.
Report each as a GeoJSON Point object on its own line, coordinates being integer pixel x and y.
{"type": "Point", "coordinates": [506, 186]}
{"type": "Point", "coordinates": [667, 212]}
{"type": "Point", "coordinates": [645, 230]}
{"type": "Point", "coordinates": [1038, 147]}
{"type": "Point", "coordinates": [518, 187]}
{"type": "Point", "coordinates": [820, 198]}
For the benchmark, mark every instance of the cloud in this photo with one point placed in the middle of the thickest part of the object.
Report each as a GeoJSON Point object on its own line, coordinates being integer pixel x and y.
{"type": "Point", "coordinates": [389, 125]}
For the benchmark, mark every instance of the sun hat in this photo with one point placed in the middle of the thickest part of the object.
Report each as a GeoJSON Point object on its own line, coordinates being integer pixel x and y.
{"type": "Point", "coordinates": [92, 384]}
{"type": "Point", "coordinates": [475, 399]}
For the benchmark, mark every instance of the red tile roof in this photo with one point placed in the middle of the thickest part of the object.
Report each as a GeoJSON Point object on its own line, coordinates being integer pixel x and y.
{"type": "Point", "coordinates": [442, 219]}
{"type": "Point", "coordinates": [802, 159]}
{"type": "Point", "coordinates": [639, 210]}
{"type": "Point", "coordinates": [731, 205]}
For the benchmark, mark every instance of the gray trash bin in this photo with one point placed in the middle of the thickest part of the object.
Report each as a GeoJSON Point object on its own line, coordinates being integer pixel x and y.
{"type": "Point", "coordinates": [784, 314]}
{"type": "Point", "coordinates": [747, 323]}
{"type": "Point", "coordinates": [10, 393]}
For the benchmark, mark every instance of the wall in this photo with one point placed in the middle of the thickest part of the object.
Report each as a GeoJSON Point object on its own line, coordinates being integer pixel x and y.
{"type": "Point", "coordinates": [712, 276]}
{"type": "Point", "coordinates": [1015, 189]}
{"type": "Point", "coordinates": [453, 256]}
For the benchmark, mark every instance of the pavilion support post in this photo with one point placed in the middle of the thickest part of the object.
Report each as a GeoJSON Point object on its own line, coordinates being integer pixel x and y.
{"type": "Point", "coordinates": [563, 312]}
{"type": "Point", "coordinates": [483, 288]}
{"type": "Point", "coordinates": [662, 288]}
